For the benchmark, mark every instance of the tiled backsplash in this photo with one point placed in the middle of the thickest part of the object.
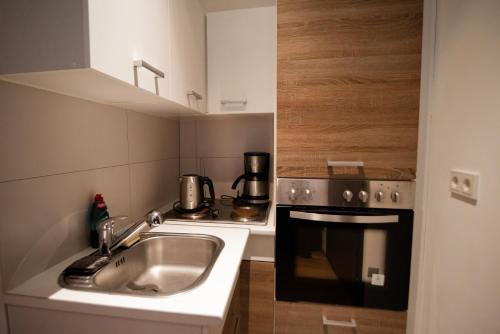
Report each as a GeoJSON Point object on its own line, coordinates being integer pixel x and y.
{"type": "Point", "coordinates": [214, 146]}
{"type": "Point", "coordinates": [56, 153]}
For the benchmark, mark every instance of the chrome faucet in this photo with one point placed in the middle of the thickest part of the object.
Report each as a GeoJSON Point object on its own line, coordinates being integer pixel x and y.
{"type": "Point", "coordinates": [105, 230]}
{"type": "Point", "coordinates": [108, 242]}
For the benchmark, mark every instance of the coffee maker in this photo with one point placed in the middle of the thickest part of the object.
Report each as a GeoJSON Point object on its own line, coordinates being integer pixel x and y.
{"type": "Point", "coordinates": [256, 187]}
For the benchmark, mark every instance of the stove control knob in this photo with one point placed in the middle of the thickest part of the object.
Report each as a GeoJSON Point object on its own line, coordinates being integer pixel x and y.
{"type": "Point", "coordinates": [308, 193]}
{"type": "Point", "coordinates": [292, 194]}
{"type": "Point", "coordinates": [379, 195]}
{"type": "Point", "coordinates": [347, 194]}
{"type": "Point", "coordinates": [363, 196]}
{"type": "Point", "coordinates": [395, 196]}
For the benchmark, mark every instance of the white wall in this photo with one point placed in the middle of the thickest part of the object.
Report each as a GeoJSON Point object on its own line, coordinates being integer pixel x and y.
{"type": "Point", "coordinates": [459, 290]}
{"type": "Point", "coordinates": [417, 279]}
{"type": "Point", "coordinates": [56, 152]}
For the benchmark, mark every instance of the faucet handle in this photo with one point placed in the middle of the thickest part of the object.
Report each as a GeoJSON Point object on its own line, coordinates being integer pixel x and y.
{"type": "Point", "coordinates": [154, 218]}
{"type": "Point", "coordinates": [105, 230]}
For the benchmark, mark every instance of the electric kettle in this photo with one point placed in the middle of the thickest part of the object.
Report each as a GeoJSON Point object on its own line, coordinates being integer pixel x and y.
{"type": "Point", "coordinates": [192, 195]}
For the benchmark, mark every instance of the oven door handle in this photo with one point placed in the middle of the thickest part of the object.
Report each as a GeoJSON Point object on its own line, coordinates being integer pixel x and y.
{"type": "Point", "coordinates": [319, 217]}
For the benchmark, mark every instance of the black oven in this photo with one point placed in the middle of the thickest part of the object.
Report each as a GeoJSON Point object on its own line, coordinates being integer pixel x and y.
{"type": "Point", "coordinates": [351, 253]}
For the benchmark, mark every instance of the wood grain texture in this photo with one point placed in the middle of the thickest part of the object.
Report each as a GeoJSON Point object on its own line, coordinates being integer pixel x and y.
{"type": "Point", "coordinates": [348, 87]}
{"type": "Point", "coordinates": [233, 318]}
{"type": "Point", "coordinates": [257, 297]}
{"type": "Point", "coordinates": [306, 318]}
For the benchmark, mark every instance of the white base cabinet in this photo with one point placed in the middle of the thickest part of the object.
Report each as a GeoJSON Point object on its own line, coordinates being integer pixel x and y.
{"type": "Point", "coordinates": [88, 49]}
{"type": "Point", "coordinates": [241, 53]}
{"type": "Point", "coordinates": [43, 321]}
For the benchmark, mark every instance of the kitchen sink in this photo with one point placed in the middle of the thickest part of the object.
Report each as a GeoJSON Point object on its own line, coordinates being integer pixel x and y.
{"type": "Point", "coordinates": [158, 264]}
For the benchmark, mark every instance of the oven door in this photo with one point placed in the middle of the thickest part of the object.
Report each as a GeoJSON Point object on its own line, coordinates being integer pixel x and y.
{"type": "Point", "coordinates": [339, 256]}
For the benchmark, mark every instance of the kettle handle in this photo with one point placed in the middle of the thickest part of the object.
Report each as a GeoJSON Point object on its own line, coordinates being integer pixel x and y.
{"type": "Point", "coordinates": [206, 180]}
{"type": "Point", "coordinates": [235, 183]}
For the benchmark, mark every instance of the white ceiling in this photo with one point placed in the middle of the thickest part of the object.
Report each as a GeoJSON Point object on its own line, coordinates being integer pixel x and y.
{"type": "Point", "coordinates": [220, 5]}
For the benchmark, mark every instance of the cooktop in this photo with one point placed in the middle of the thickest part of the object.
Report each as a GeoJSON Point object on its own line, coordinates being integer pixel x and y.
{"type": "Point", "coordinates": [222, 211]}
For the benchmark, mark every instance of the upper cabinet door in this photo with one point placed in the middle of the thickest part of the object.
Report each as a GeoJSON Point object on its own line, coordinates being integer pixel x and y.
{"type": "Point", "coordinates": [241, 51]}
{"type": "Point", "coordinates": [100, 50]}
{"type": "Point", "coordinates": [188, 63]}
{"type": "Point", "coordinates": [348, 88]}
{"type": "Point", "coordinates": [124, 31]}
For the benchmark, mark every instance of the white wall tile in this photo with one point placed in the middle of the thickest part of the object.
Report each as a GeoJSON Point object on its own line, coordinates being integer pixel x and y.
{"type": "Point", "coordinates": [230, 137]}
{"type": "Point", "coordinates": [218, 145]}
{"type": "Point", "coordinates": [152, 138]}
{"type": "Point", "coordinates": [223, 172]}
{"type": "Point", "coordinates": [44, 220]}
{"type": "Point", "coordinates": [189, 166]}
{"type": "Point", "coordinates": [153, 184]}
{"type": "Point", "coordinates": [188, 138]}
{"type": "Point", "coordinates": [56, 152]}
{"type": "Point", "coordinates": [43, 133]}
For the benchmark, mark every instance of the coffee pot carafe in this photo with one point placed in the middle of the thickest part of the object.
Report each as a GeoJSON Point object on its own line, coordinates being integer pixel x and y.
{"type": "Point", "coordinates": [192, 196]}
{"type": "Point", "coordinates": [256, 187]}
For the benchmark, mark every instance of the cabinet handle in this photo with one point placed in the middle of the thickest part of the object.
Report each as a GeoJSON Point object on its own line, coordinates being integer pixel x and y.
{"type": "Point", "coordinates": [319, 217]}
{"type": "Point", "coordinates": [334, 163]}
{"type": "Point", "coordinates": [224, 102]}
{"type": "Point", "coordinates": [335, 323]}
{"type": "Point", "coordinates": [196, 95]}
{"type": "Point", "coordinates": [156, 72]}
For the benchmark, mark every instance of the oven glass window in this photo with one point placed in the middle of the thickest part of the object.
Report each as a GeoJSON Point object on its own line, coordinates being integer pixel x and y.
{"type": "Point", "coordinates": [340, 252]}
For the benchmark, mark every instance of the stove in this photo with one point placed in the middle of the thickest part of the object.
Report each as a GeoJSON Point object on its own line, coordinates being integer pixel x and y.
{"type": "Point", "coordinates": [223, 211]}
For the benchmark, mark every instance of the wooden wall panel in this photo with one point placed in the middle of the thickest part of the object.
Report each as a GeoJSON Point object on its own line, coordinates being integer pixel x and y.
{"type": "Point", "coordinates": [348, 87]}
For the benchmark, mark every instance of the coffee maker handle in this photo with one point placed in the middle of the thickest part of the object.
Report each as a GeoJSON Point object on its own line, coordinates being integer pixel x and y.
{"type": "Point", "coordinates": [207, 181]}
{"type": "Point", "coordinates": [235, 183]}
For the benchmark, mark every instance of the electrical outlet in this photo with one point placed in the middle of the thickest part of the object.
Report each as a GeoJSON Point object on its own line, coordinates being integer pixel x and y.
{"type": "Point", "coordinates": [464, 183]}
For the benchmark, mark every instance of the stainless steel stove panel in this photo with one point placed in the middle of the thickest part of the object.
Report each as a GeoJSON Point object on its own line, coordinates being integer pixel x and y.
{"type": "Point", "coordinates": [224, 207]}
{"type": "Point", "coordinates": [346, 193]}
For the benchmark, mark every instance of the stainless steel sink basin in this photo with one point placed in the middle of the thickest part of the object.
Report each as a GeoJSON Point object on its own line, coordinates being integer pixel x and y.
{"type": "Point", "coordinates": [159, 264]}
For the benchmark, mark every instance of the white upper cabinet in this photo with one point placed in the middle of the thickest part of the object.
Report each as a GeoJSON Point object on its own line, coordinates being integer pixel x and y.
{"type": "Point", "coordinates": [241, 51]}
{"type": "Point", "coordinates": [94, 49]}
{"type": "Point", "coordinates": [124, 31]}
{"type": "Point", "coordinates": [188, 52]}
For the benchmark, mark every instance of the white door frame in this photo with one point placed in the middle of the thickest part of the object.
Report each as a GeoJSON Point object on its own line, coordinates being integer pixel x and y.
{"type": "Point", "coordinates": [418, 317]}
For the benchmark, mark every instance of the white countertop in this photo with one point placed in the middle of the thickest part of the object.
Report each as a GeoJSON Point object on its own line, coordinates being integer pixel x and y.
{"type": "Point", "coordinates": [206, 304]}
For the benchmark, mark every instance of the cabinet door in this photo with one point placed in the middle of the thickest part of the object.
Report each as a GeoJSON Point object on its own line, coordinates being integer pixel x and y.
{"type": "Point", "coordinates": [122, 31]}
{"type": "Point", "coordinates": [187, 69]}
{"type": "Point", "coordinates": [233, 318]}
{"type": "Point", "coordinates": [257, 297]}
{"type": "Point", "coordinates": [348, 87]}
{"type": "Point", "coordinates": [242, 61]}
{"type": "Point", "coordinates": [308, 318]}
